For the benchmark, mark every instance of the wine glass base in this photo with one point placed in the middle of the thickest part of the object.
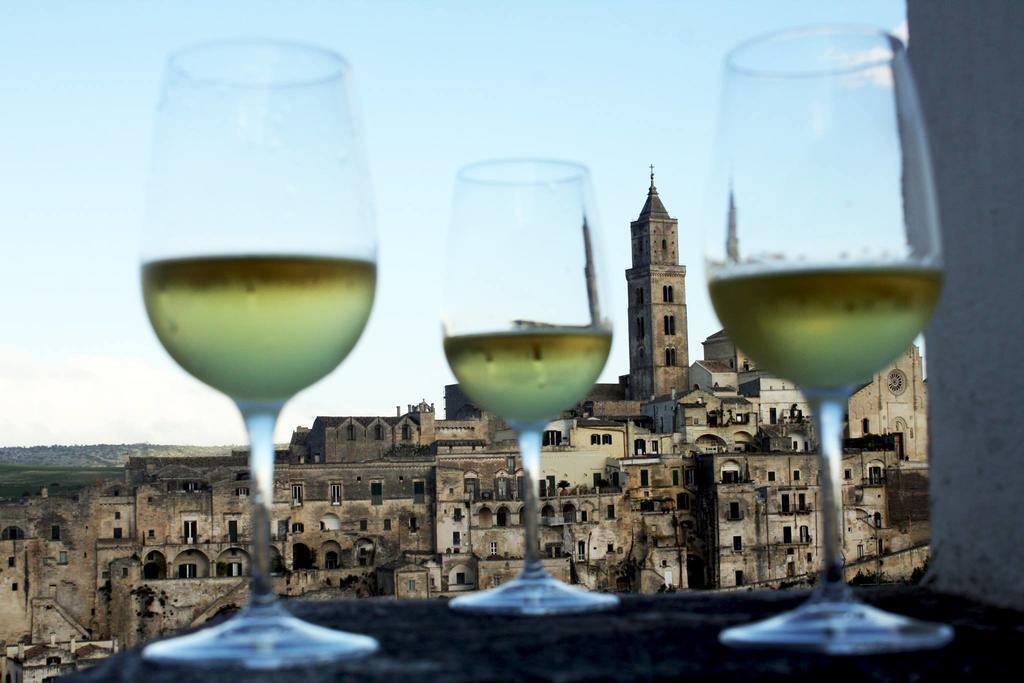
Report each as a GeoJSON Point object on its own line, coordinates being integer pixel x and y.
{"type": "Point", "coordinates": [839, 628]}
{"type": "Point", "coordinates": [260, 638]}
{"type": "Point", "coordinates": [534, 596]}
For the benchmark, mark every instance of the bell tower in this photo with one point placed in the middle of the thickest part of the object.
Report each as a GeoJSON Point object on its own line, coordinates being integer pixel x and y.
{"type": "Point", "coordinates": [658, 357]}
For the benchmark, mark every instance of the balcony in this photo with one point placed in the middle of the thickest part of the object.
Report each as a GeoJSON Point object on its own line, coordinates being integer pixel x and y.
{"type": "Point", "coordinates": [420, 635]}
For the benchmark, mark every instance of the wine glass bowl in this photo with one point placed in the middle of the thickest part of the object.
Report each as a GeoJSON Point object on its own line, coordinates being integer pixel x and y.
{"type": "Point", "coordinates": [258, 276]}
{"type": "Point", "coordinates": [524, 332]}
{"type": "Point", "coordinates": [824, 262]}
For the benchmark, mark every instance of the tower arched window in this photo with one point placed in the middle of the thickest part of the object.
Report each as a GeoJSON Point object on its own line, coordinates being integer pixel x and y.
{"type": "Point", "coordinates": [664, 245]}
{"type": "Point", "coordinates": [350, 432]}
{"type": "Point", "coordinates": [640, 295]}
{"type": "Point", "coordinates": [640, 327]}
{"type": "Point", "coordinates": [406, 433]}
{"type": "Point", "coordinates": [378, 433]}
{"type": "Point", "coordinates": [865, 426]}
{"type": "Point", "coordinates": [670, 356]}
{"type": "Point", "coordinates": [667, 295]}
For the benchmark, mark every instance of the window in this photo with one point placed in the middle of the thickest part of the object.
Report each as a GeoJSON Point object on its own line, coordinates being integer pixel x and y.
{"type": "Point", "coordinates": [457, 514]}
{"type": "Point", "coordinates": [688, 476]}
{"type": "Point", "coordinates": [645, 479]}
{"type": "Point", "coordinates": [187, 571]}
{"type": "Point", "coordinates": [296, 494]}
{"type": "Point", "coordinates": [865, 426]}
{"type": "Point", "coordinates": [596, 479]}
{"type": "Point", "coordinates": [62, 557]}
{"type": "Point", "coordinates": [670, 325]}
{"type": "Point", "coordinates": [773, 416]}
{"type": "Point", "coordinates": [124, 572]}
{"type": "Point", "coordinates": [860, 551]}
{"type": "Point", "coordinates": [387, 525]}
{"type": "Point", "coordinates": [53, 661]}
{"type": "Point", "coordinates": [350, 432]}
{"type": "Point", "coordinates": [418, 492]}
{"type": "Point", "coordinates": [362, 525]}
{"type": "Point", "coordinates": [460, 578]}
{"type": "Point", "coordinates": [771, 475]}
{"type": "Point", "coordinates": [667, 295]}
{"type": "Point", "coordinates": [412, 524]}
{"type": "Point", "coordinates": [14, 586]}
{"type": "Point", "coordinates": [298, 528]}
{"type": "Point", "coordinates": [242, 491]}
{"type": "Point", "coordinates": [583, 515]}
{"type": "Point", "coordinates": [739, 577]}
{"type": "Point", "coordinates": [595, 439]}
{"type": "Point", "coordinates": [847, 474]}
{"type": "Point", "coordinates": [406, 433]}
{"type": "Point", "coordinates": [335, 494]}
{"type": "Point", "coordinates": [664, 245]}
{"type": "Point", "coordinates": [675, 477]}
{"type": "Point", "coordinates": [654, 447]}
{"type": "Point", "coordinates": [10, 561]}
{"type": "Point", "coordinates": [801, 501]}
{"type": "Point", "coordinates": [494, 548]}
{"type": "Point", "coordinates": [502, 517]}
{"type": "Point", "coordinates": [234, 568]}
{"type": "Point", "coordinates": [606, 439]}
{"type": "Point", "coordinates": [875, 475]}
{"type": "Point", "coordinates": [805, 535]}
{"type": "Point", "coordinates": [796, 446]}
{"type": "Point", "coordinates": [378, 432]}
{"type": "Point", "coordinates": [581, 550]}
{"type": "Point", "coordinates": [552, 437]}
{"type": "Point", "coordinates": [412, 585]}
{"type": "Point", "coordinates": [787, 534]}
{"type": "Point", "coordinates": [639, 447]}
{"type": "Point", "coordinates": [117, 515]}
{"type": "Point", "coordinates": [55, 532]}
{"type": "Point", "coordinates": [785, 502]}
{"type": "Point", "coordinates": [376, 493]}
{"type": "Point", "coordinates": [456, 538]}
{"type": "Point", "coordinates": [878, 520]}
{"type": "Point", "coordinates": [734, 511]}
{"type": "Point", "coordinates": [117, 532]}
{"type": "Point", "coordinates": [640, 328]}
{"type": "Point", "coordinates": [683, 500]}
{"type": "Point", "coordinates": [610, 512]}
{"type": "Point", "coordinates": [233, 530]}
{"type": "Point", "coordinates": [639, 295]}
{"type": "Point", "coordinates": [472, 486]}
{"type": "Point", "coordinates": [737, 543]}
{"type": "Point", "coordinates": [730, 476]}
{"type": "Point", "coordinates": [796, 475]}
{"type": "Point", "coordinates": [670, 357]}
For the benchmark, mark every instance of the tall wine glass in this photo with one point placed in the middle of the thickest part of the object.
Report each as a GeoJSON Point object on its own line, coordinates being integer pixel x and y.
{"type": "Point", "coordinates": [524, 331]}
{"type": "Point", "coordinates": [824, 263]}
{"type": "Point", "coordinates": [258, 273]}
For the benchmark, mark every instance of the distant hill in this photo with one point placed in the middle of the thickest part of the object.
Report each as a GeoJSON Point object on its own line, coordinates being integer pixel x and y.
{"type": "Point", "coordinates": [100, 455]}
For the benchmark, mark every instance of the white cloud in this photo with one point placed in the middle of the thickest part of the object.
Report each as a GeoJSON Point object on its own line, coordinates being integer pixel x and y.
{"type": "Point", "coordinates": [88, 399]}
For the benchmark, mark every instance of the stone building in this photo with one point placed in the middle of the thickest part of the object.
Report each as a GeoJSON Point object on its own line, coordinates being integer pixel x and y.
{"type": "Point", "coordinates": [657, 303]}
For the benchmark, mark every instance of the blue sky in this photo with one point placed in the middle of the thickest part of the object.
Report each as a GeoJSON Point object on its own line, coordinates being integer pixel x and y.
{"type": "Point", "coordinates": [614, 85]}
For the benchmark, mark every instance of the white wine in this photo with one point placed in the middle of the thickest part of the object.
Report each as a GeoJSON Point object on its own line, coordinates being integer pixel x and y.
{"type": "Point", "coordinates": [259, 328]}
{"type": "Point", "coordinates": [528, 376]}
{"type": "Point", "coordinates": [826, 328]}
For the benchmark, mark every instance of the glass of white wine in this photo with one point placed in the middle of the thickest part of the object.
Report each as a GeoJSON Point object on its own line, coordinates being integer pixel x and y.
{"type": "Point", "coordinates": [524, 332]}
{"type": "Point", "coordinates": [824, 262]}
{"type": "Point", "coordinates": [258, 274]}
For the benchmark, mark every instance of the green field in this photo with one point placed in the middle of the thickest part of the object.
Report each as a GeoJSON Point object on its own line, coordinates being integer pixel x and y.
{"type": "Point", "coordinates": [22, 480]}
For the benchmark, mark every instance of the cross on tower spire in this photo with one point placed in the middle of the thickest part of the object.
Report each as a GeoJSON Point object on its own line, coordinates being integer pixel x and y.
{"type": "Point", "coordinates": [652, 176]}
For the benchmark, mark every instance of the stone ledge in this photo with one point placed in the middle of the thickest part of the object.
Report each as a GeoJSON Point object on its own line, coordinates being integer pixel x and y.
{"type": "Point", "coordinates": [649, 638]}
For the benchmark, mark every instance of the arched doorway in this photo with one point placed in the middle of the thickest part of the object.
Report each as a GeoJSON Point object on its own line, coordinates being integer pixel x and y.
{"type": "Point", "coordinates": [695, 572]}
{"type": "Point", "coordinates": [302, 556]}
{"type": "Point", "coordinates": [155, 566]}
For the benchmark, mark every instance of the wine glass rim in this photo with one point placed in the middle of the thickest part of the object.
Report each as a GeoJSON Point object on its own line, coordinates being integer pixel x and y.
{"type": "Point", "coordinates": [560, 171]}
{"type": "Point", "coordinates": [735, 63]}
{"type": "Point", "coordinates": [333, 65]}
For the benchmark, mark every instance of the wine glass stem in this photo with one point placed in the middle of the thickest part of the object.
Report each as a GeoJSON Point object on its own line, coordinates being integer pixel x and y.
{"type": "Point", "coordinates": [260, 419]}
{"type": "Point", "coordinates": [529, 452]}
{"type": "Point", "coordinates": [829, 409]}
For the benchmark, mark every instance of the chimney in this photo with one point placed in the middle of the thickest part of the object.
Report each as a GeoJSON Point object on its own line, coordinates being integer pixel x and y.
{"type": "Point", "coordinates": [398, 411]}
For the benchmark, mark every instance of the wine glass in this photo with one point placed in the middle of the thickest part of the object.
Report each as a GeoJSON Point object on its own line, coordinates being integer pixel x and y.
{"type": "Point", "coordinates": [258, 273]}
{"type": "Point", "coordinates": [823, 263]}
{"type": "Point", "coordinates": [524, 331]}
